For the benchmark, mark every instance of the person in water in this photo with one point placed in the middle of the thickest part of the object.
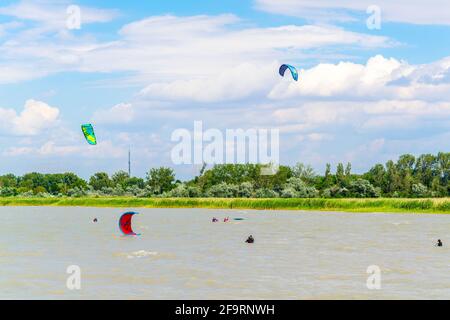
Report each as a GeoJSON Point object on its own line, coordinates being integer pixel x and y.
{"type": "Point", "coordinates": [215, 220]}
{"type": "Point", "coordinates": [439, 243]}
{"type": "Point", "coordinates": [95, 220]}
{"type": "Point", "coordinates": [250, 239]}
{"type": "Point", "coordinates": [226, 219]}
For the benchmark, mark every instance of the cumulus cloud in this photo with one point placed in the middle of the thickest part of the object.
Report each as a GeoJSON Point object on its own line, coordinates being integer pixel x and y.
{"type": "Point", "coordinates": [120, 113]}
{"type": "Point", "coordinates": [35, 117]}
{"type": "Point", "coordinates": [167, 51]}
{"type": "Point", "coordinates": [235, 83]}
{"type": "Point", "coordinates": [379, 78]}
{"type": "Point", "coordinates": [345, 79]}
{"type": "Point", "coordinates": [364, 115]}
{"type": "Point", "coordinates": [413, 12]}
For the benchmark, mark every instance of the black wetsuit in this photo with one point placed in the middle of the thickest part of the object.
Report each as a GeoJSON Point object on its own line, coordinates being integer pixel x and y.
{"type": "Point", "coordinates": [439, 243]}
{"type": "Point", "coordinates": [250, 240]}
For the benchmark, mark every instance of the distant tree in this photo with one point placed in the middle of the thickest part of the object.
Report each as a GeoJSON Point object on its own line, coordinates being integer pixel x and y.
{"type": "Point", "coordinates": [275, 182]}
{"type": "Point", "coordinates": [377, 177]}
{"type": "Point", "coordinates": [328, 179]}
{"type": "Point", "coordinates": [348, 170]}
{"type": "Point", "coordinates": [427, 168]}
{"type": "Point", "coordinates": [8, 181]}
{"type": "Point", "coordinates": [120, 178]}
{"type": "Point", "coordinates": [100, 180]}
{"type": "Point", "coordinates": [340, 175]}
{"type": "Point", "coordinates": [32, 180]}
{"type": "Point", "coordinates": [135, 182]}
{"type": "Point", "coordinates": [304, 172]}
{"type": "Point", "coordinates": [394, 180]}
{"type": "Point", "coordinates": [161, 179]}
{"type": "Point", "coordinates": [39, 190]}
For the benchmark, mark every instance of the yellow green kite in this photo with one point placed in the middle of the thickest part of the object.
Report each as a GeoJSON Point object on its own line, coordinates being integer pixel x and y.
{"type": "Point", "coordinates": [88, 131]}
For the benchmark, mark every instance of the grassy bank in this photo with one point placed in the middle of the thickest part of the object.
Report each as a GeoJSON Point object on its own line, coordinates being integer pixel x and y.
{"type": "Point", "coordinates": [350, 205]}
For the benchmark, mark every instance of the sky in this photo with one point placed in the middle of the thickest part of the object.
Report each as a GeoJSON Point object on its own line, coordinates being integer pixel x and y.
{"type": "Point", "coordinates": [139, 70]}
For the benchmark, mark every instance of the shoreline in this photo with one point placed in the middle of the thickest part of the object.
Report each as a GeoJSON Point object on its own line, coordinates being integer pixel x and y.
{"type": "Point", "coordinates": [381, 205]}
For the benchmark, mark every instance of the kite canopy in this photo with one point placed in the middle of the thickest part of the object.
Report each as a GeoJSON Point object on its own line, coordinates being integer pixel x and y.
{"type": "Point", "coordinates": [88, 131]}
{"type": "Point", "coordinates": [292, 69]}
{"type": "Point", "coordinates": [125, 224]}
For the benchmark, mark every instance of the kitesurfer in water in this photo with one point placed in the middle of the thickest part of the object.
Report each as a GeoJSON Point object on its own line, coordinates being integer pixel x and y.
{"type": "Point", "coordinates": [215, 220]}
{"type": "Point", "coordinates": [226, 219]}
{"type": "Point", "coordinates": [439, 243]}
{"type": "Point", "coordinates": [95, 220]}
{"type": "Point", "coordinates": [250, 239]}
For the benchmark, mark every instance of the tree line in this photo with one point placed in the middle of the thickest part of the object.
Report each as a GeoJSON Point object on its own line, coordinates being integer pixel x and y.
{"type": "Point", "coordinates": [424, 176]}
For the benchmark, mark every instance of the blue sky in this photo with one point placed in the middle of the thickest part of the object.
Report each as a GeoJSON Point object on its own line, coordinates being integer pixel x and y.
{"type": "Point", "coordinates": [138, 70]}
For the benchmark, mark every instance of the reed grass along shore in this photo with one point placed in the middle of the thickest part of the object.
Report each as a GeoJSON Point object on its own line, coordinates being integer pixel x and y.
{"type": "Point", "coordinates": [441, 205]}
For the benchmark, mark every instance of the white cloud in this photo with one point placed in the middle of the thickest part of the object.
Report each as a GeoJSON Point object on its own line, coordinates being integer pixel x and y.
{"type": "Point", "coordinates": [168, 27]}
{"type": "Point", "coordinates": [413, 12]}
{"type": "Point", "coordinates": [120, 113]}
{"type": "Point", "coordinates": [35, 117]}
{"type": "Point", "coordinates": [346, 79]}
{"type": "Point", "coordinates": [51, 149]}
{"type": "Point", "coordinates": [54, 13]}
{"type": "Point", "coordinates": [380, 78]}
{"type": "Point", "coordinates": [103, 150]}
{"type": "Point", "coordinates": [184, 50]}
{"type": "Point", "coordinates": [15, 73]}
{"type": "Point", "coordinates": [235, 83]}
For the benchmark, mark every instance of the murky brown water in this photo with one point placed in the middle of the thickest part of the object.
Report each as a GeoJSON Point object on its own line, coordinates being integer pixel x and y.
{"type": "Point", "coordinates": [182, 255]}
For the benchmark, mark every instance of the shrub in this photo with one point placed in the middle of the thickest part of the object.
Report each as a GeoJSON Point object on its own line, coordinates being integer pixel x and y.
{"type": "Point", "coordinates": [245, 190]}
{"type": "Point", "coordinates": [419, 190]}
{"type": "Point", "coordinates": [335, 192]}
{"type": "Point", "coordinates": [8, 192]}
{"type": "Point", "coordinates": [194, 192]}
{"type": "Point", "coordinates": [180, 191]}
{"type": "Point", "coordinates": [266, 193]}
{"type": "Point", "coordinates": [222, 190]}
{"type": "Point", "coordinates": [76, 192]}
{"type": "Point", "coordinates": [361, 188]}
{"type": "Point", "coordinates": [297, 188]}
{"type": "Point", "coordinates": [289, 192]}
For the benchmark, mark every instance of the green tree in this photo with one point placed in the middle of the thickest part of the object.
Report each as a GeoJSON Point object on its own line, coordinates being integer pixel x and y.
{"type": "Point", "coordinates": [161, 179]}
{"type": "Point", "coordinates": [120, 178]}
{"type": "Point", "coordinates": [8, 181]}
{"type": "Point", "coordinates": [134, 182]}
{"type": "Point", "coordinates": [304, 172]}
{"type": "Point", "coordinates": [328, 179]}
{"type": "Point", "coordinates": [348, 170]}
{"type": "Point", "coordinates": [340, 175]}
{"type": "Point", "coordinates": [377, 177]}
{"type": "Point", "coordinates": [100, 180]}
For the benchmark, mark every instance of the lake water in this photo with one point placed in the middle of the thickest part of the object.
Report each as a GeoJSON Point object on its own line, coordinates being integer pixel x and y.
{"type": "Point", "coordinates": [182, 255]}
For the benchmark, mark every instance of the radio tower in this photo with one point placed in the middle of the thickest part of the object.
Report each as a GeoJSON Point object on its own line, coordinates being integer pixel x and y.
{"type": "Point", "coordinates": [129, 162]}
